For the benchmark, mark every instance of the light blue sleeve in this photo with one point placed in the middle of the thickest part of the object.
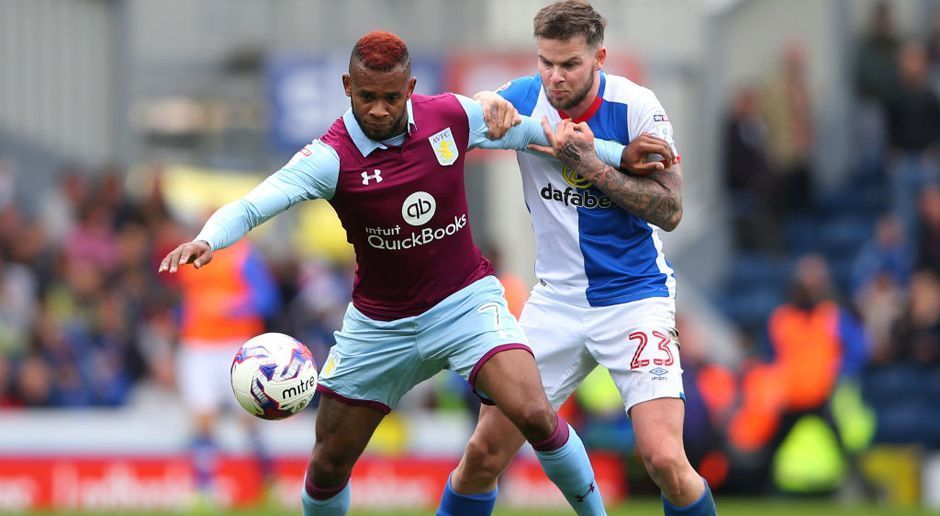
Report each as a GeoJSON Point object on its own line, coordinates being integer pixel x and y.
{"type": "Point", "coordinates": [311, 174]}
{"type": "Point", "coordinates": [520, 136]}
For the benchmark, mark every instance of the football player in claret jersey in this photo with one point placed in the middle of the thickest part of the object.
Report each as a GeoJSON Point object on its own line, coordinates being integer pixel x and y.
{"type": "Point", "coordinates": [424, 298]}
{"type": "Point", "coordinates": [606, 293]}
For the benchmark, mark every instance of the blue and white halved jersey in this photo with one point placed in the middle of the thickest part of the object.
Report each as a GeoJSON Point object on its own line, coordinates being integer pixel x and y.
{"type": "Point", "coordinates": [589, 251]}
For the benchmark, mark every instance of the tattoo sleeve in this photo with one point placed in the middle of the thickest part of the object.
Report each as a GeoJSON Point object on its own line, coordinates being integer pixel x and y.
{"type": "Point", "coordinates": [655, 198]}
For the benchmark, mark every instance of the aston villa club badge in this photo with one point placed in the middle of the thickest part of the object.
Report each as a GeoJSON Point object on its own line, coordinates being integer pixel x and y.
{"type": "Point", "coordinates": [445, 148]}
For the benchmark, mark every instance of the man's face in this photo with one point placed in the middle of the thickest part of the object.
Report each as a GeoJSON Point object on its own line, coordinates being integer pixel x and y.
{"type": "Point", "coordinates": [379, 99]}
{"type": "Point", "coordinates": [567, 68]}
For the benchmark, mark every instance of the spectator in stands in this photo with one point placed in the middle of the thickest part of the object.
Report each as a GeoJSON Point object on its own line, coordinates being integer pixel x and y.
{"type": "Point", "coordinates": [11, 226]}
{"type": "Point", "coordinates": [18, 296]}
{"type": "Point", "coordinates": [928, 242]}
{"type": "Point", "coordinates": [58, 207]}
{"type": "Point", "coordinates": [788, 112]}
{"type": "Point", "coordinates": [881, 302]}
{"type": "Point", "coordinates": [913, 115]}
{"type": "Point", "coordinates": [813, 339]}
{"type": "Point", "coordinates": [875, 71]}
{"type": "Point", "coordinates": [887, 253]}
{"type": "Point", "coordinates": [112, 355]}
{"type": "Point", "coordinates": [749, 179]}
{"type": "Point", "coordinates": [880, 276]}
{"type": "Point", "coordinates": [151, 203]}
{"type": "Point", "coordinates": [6, 383]}
{"type": "Point", "coordinates": [34, 383]}
{"type": "Point", "coordinates": [813, 342]}
{"type": "Point", "coordinates": [110, 191]}
{"type": "Point", "coordinates": [916, 335]}
{"type": "Point", "coordinates": [933, 50]}
{"type": "Point", "coordinates": [875, 79]}
{"type": "Point", "coordinates": [93, 238]}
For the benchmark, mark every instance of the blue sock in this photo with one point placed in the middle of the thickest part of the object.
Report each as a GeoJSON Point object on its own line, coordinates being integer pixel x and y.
{"type": "Point", "coordinates": [570, 469]}
{"type": "Point", "coordinates": [204, 455]}
{"type": "Point", "coordinates": [336, 505]}
{"type": "Point", "coordinates": [704, 506]}
{"type": "Point", "coordinates": [265, 463]}
{"type": "Point", "coordinates": [456, 504]}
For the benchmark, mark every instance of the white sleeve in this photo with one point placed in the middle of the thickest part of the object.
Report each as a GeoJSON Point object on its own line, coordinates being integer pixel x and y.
{"type": "Point", "coordinates": [650, 117]}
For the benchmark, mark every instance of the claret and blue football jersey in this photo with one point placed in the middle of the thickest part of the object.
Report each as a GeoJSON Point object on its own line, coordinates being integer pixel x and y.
{"type": "Point", "coordinates": [590, 252]}
{"type": "Point", "coordinates": [401, 201]}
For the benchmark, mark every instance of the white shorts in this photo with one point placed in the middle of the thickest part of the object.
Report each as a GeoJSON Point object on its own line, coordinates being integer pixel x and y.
{"type": "Point", "coordinates": [636, 341]}
{"type": "Point", "coordinates": [203, 375]}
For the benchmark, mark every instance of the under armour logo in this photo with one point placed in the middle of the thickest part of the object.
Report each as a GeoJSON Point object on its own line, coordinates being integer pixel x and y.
{"type": "Point", "coordinates": [377, 176]}
{"type": "Point", "coordinates": [590, 490]}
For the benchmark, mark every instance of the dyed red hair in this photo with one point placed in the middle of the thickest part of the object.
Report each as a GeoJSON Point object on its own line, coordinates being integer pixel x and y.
{"type": "Point", "coordinates": [381, 51]}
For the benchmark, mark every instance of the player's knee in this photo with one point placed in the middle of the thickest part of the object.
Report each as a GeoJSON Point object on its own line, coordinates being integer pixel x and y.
{"type": "Point", "coordinates": [328, 469]}
{"type": "Point", "coordinates": [484, 461]}
{"type": "Point", "coordinates": [665, 467]}
{"type": "Point", "coordinates": [536, 422]}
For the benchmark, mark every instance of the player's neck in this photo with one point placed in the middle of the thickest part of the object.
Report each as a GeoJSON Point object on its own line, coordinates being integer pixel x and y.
{"type": "Point", "coordinates": [589, 99]}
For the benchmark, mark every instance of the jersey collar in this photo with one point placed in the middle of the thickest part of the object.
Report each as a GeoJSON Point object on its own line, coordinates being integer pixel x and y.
{"type": "Point", "coordinates": [365, 144]}
{"type": "Point", "coordinates": [594, 105]}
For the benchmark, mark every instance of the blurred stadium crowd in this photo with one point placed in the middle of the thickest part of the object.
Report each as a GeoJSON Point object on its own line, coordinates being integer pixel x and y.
{"type": "Point", "coordinates": [85, 316]}
{"type": "Point", "coordinates": [837, 290]}
{"type": "Point", "coordinates": [836, 293]}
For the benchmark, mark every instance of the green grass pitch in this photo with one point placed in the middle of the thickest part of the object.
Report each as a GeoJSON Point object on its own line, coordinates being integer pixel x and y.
{"type": "Point", "coordinates": [638, 507]}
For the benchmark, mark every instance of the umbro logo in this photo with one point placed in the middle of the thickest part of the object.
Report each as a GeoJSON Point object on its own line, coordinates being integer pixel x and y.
{"type": "Point", "coordinates": [366, 177]}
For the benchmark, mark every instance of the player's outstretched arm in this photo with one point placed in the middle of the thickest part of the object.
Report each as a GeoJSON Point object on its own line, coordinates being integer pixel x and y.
{"type": "Point", "coordinates": [226, 226]}
{"type": "Point", "coordinates": [310, 174]}
{"type": "Point", "coordinates": [654, 197]}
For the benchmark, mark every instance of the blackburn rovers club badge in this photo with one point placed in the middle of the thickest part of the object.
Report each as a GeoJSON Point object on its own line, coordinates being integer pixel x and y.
{"type": "Point", "coordinates": [574, 179]}
{"type": "Point", "coordinates": [445, 148]}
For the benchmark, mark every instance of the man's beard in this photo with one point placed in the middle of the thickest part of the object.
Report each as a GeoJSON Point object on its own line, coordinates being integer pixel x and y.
{"type": "Point", "coordinates": [396, 129]}
{"type": "Point", "coordinates": [575, 100]}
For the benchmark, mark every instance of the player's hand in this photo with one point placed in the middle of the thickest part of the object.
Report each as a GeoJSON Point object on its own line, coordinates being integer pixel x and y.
{"type": "Point", "coordinates": [197, 252]}
{"type": "Point", "coordinates": [569, 141]}
{"type": "Point", "coordinates": [646, 154]}
{"type": "Point", "coordinates": [498, 113]}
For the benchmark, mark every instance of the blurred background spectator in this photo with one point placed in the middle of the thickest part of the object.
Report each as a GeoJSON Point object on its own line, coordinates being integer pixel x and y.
{"type": "Point", "coordinates": [913, 113]}
{"type": "Point", "coordinates": [788, 111]}
{"type": "Point", "coordinates": [749, 178]}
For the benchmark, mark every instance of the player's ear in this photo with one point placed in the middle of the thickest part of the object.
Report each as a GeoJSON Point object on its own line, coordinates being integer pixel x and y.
{"type": "Point", "coordinates": [600, 57]}
{"type": "Point", "coordinates": [347, 84]}
{"type": "Point", "coordinates": [411, 85]}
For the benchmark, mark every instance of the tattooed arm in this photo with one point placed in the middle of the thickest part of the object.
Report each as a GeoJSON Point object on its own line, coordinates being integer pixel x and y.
{"type": "Point", "coordinates": [652, 192]}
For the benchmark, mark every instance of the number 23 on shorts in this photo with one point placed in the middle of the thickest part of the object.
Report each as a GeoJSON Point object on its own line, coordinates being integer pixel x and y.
{"type": "Point", "coordinates": [662, 356]}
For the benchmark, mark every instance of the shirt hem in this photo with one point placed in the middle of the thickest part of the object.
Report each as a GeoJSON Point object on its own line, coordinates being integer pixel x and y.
{"type": "Point", "coordinates": [626, 298]}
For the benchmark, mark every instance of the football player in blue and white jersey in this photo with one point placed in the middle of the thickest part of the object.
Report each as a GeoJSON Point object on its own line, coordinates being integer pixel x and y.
{"type": "Point", "coordinates": [606, 293]}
